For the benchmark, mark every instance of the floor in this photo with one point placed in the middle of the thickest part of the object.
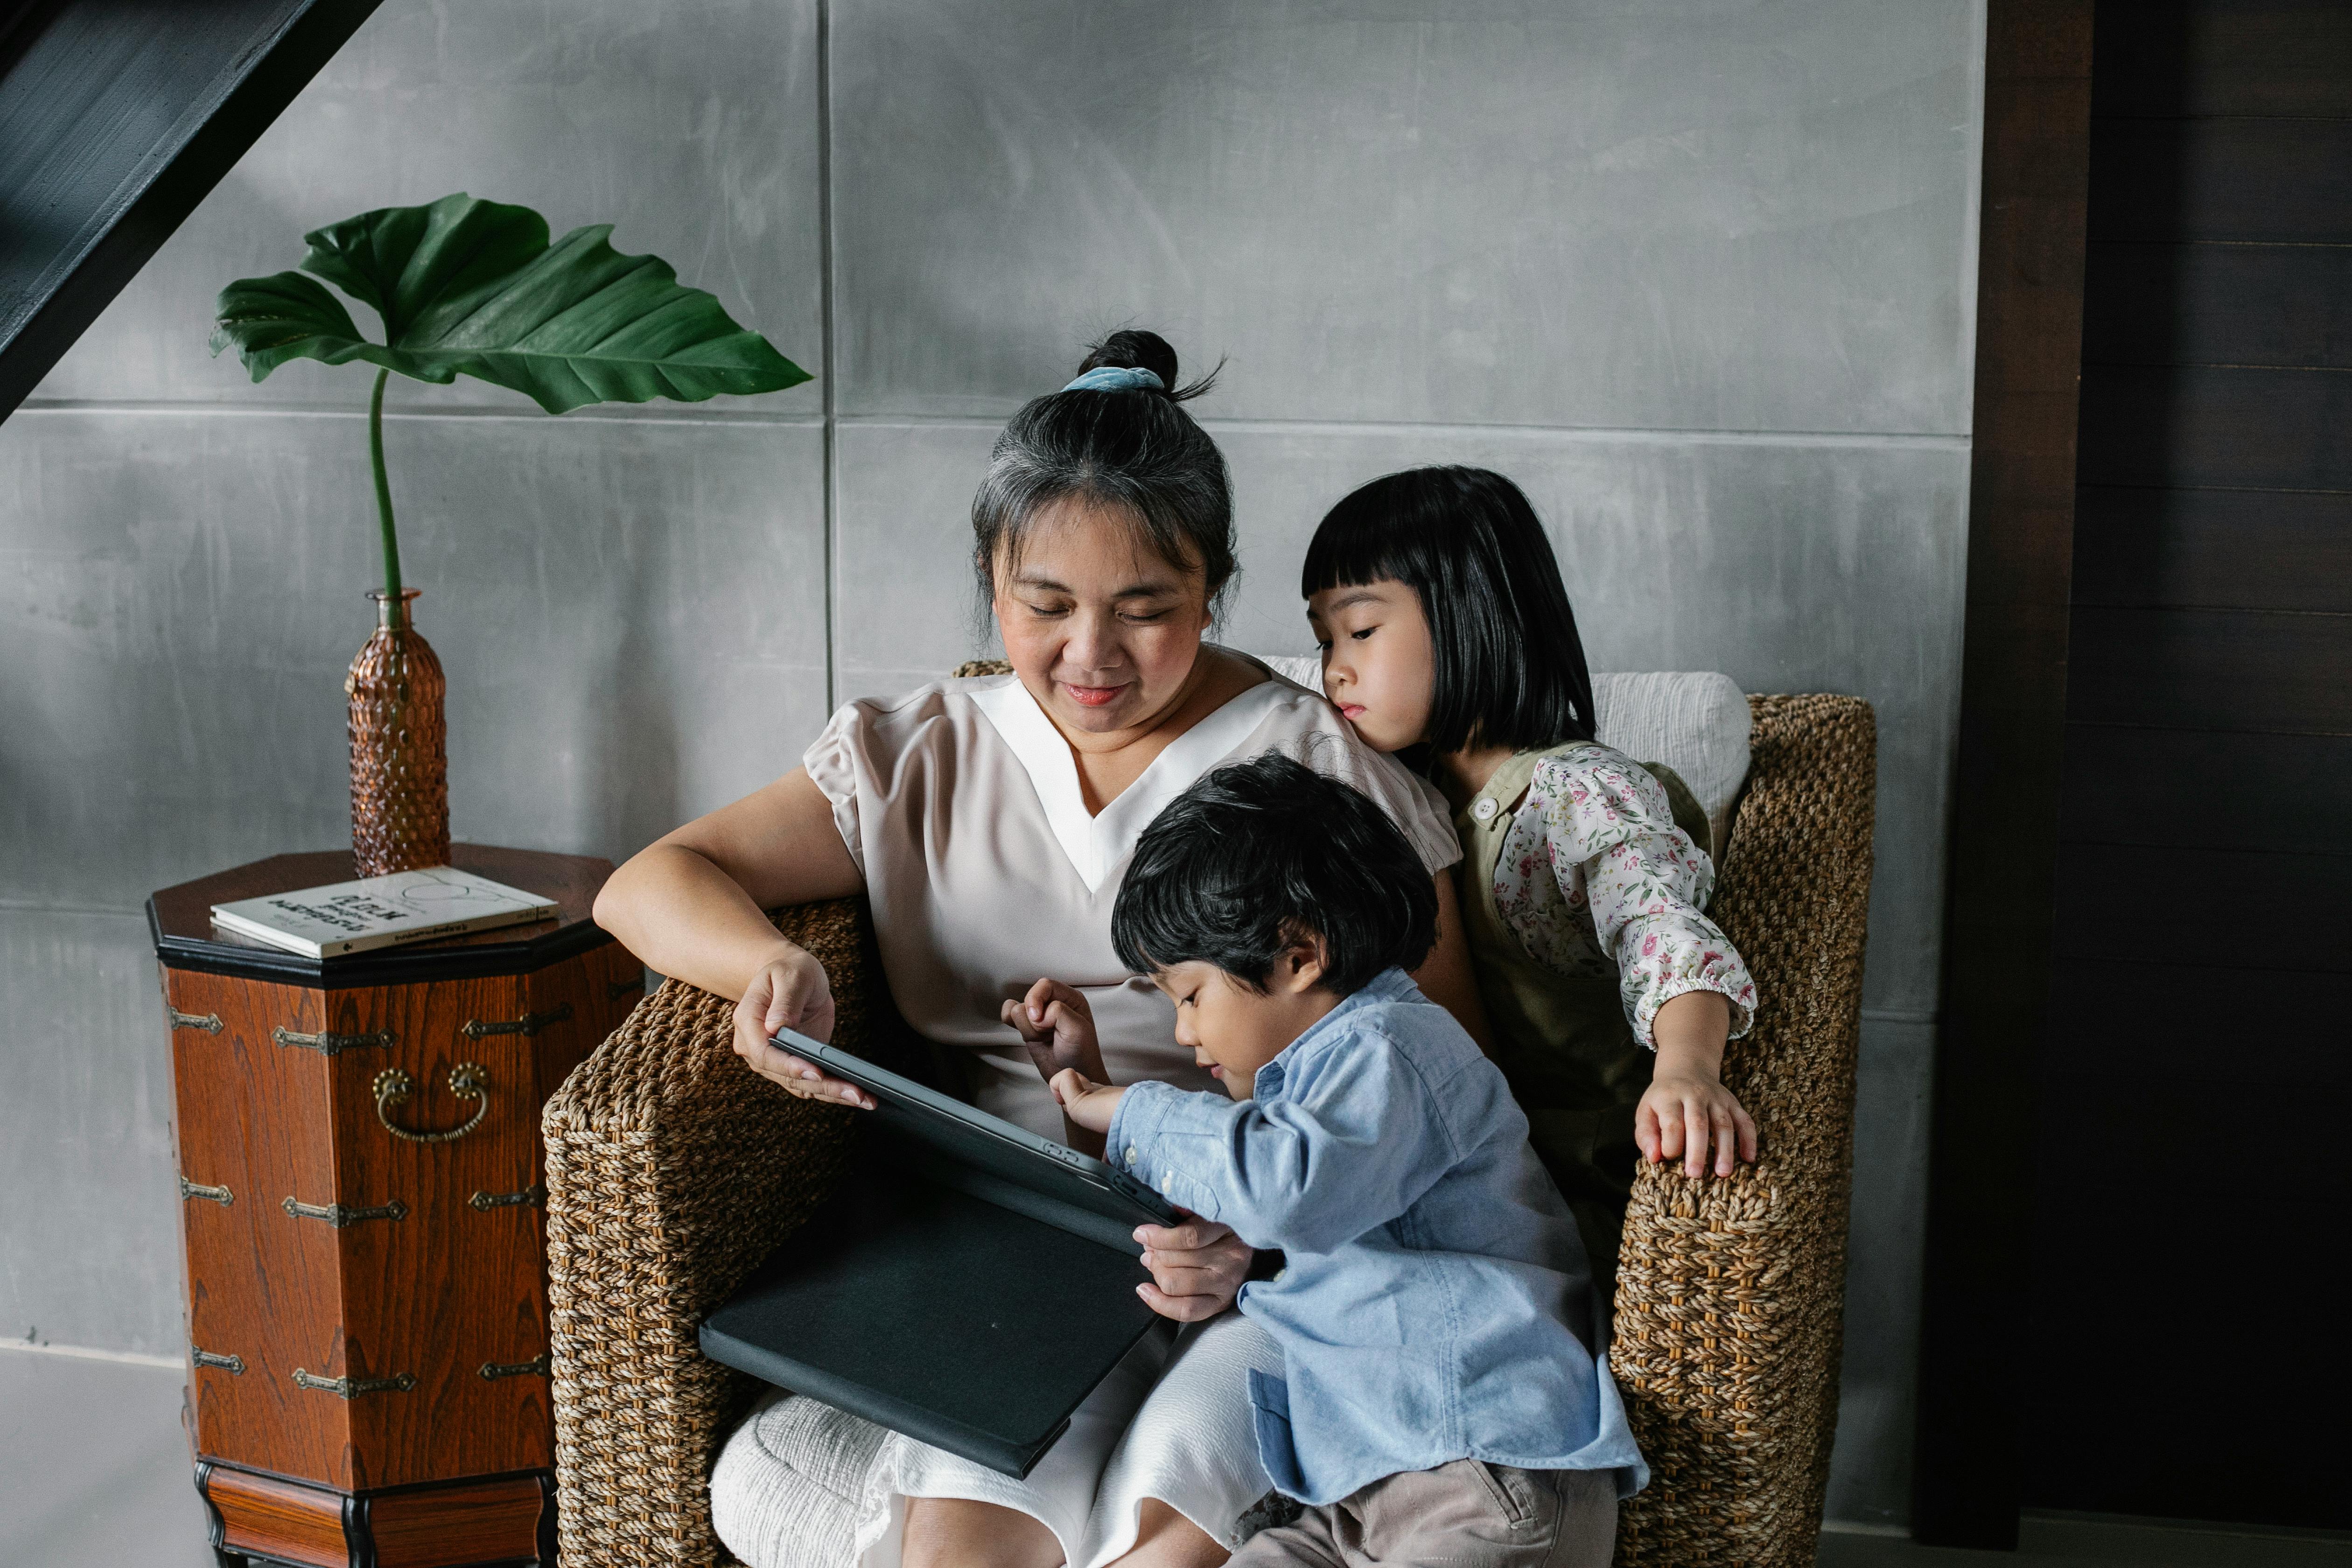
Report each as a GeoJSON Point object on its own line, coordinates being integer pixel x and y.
{"type": "Point", "coordinates": [2084, 1541]}
{"type": "Point", "coordinates": [96, 1476]}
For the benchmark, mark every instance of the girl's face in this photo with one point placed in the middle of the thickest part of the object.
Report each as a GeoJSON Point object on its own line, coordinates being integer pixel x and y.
{"type": "Point", "coordinates": [1101, 631]}
{"type": "Point", "coordinates": [1379, 664]}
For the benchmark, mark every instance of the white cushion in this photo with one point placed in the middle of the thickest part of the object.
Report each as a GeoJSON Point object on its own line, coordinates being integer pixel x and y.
{"type": "Point", "coordinates": [1695, 721]}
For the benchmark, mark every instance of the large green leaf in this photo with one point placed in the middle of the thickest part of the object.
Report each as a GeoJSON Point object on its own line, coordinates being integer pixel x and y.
{"type": "Point", "coordinates": [473, 288]}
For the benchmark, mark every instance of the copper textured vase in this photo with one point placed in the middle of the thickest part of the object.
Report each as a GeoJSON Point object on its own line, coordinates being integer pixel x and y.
{"type": "Point", "coordinates": [400, 759]}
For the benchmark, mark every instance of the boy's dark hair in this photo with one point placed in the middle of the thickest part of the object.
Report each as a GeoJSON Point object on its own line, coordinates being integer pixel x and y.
{"type": "Point", "coordinates": [1257, 855]}
{"type": "Point", "coordinates": [1509, 666]}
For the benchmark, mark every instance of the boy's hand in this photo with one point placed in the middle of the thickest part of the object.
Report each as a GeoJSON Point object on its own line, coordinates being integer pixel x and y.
{"type": "Point", "coordinates": [1057, 1023]}
{"type": "Point", "coordinates": [1197, 1268]}
{"type": "Point", "coordinates": [1683, 1113]}
{"type": "Point", "coordinates": [1086, 1103]}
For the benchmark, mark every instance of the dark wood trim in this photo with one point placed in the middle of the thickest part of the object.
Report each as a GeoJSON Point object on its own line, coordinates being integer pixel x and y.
{"type": "Point", "coordinates": [2004, 844]}
{"type": "Point", "coordinates": [138, 148]}
{"type": "Point", "coordinates": [547, 1531]}
{"type": "Point", "coordinates": [179, 919]}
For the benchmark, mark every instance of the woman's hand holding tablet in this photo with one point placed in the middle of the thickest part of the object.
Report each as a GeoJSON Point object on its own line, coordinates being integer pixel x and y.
{"type": "Point", "coordinates": [790, 994]}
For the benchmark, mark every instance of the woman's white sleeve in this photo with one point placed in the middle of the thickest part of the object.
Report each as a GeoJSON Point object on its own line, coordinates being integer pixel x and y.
{"type": "Point", "coordinates": [1412, 804]}
{"type": "Point", "coordinates": [832, 761]}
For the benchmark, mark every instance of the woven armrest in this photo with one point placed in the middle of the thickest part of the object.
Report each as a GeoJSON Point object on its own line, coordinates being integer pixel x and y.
{"type": "Point", "coordinates": [1730, 1291]}
{"type": "Point", "coordinates": [672, 1170]}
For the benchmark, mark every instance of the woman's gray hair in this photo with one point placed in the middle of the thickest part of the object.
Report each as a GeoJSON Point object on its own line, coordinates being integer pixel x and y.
{"type": "Point", "coordinates": [1134, 448]}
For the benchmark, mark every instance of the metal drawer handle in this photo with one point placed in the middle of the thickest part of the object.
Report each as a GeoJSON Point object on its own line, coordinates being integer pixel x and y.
{"type": "Point", "coordinates": [531, 1196]}
{"type": "Point", "coordinates": [329, 1043]}
{"type": "Point", "coordinates": [208, 1022]}
{"type": "Point", "coordinates": [468, 1080]}
{"type": "Point", "coordinates": [232, 1365]}
{"type": "Point", "coordinates": [536, 1367]}
{"type": "Point", "coordinates": [481, 1029]}
{"type": "Point", "coordinates": [340, 1214]}
{"type": "Point", "coordinates": [220, 1196]}
{"type": "Point", "coordinates": [352, 1387]}
{"type": "Point", "coordinates": [620, 988]}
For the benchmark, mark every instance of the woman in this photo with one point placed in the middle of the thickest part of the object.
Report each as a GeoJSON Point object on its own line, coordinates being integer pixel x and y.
{"type": "Point", "coordinates": [988, 822]}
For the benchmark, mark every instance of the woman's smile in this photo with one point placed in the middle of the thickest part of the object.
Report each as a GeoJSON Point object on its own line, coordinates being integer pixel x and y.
{"type": "Point", "coordinates": [1094, 696]}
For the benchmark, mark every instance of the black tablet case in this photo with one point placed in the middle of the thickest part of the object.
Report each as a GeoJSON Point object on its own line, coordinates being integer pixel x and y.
{"type": "Point", "coordinates": [941, 1299]}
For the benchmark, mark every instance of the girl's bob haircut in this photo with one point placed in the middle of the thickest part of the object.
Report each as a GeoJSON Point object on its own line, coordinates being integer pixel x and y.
{"type": "Point", "coordinates": [1509, 667]}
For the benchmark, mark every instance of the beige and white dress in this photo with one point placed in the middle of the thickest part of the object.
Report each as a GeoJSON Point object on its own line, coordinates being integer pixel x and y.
{"type": "Point", "coordinates": [960, 804]}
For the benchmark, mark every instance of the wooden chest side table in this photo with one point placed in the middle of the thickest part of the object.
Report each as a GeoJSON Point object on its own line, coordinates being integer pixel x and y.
{"type": "Point", "coordinates": [362, 1210]}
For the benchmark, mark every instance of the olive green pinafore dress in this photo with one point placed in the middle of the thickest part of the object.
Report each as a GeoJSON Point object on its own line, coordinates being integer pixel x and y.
{"type": "Point", "coordinates": [1563, 1042]}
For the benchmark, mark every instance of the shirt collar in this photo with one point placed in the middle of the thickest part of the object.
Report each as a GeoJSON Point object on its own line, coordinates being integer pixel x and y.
{"type": "Point", "coordinates": [1390, 985]}
{"type": "Point", "coordinates": [1096, 845]}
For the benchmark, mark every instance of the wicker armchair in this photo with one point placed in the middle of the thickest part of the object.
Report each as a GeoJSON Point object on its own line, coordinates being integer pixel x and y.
{"type": "Point", "coordinates": [671, 1172]}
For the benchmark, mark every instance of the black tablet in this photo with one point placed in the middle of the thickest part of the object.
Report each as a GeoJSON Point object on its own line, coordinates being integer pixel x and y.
{"type": "Point", "coordinates": [991, 1145]}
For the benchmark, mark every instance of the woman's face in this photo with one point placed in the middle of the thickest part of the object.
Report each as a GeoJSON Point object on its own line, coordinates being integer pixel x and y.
{"type": "Point", "coordinates": [1379, 664]}
{"type": "Point", "coordinates": [1101, 631]}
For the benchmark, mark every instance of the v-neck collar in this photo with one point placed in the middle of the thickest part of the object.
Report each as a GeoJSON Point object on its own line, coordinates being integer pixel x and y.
{"type": "Point", "coordinates": [1097, 844]}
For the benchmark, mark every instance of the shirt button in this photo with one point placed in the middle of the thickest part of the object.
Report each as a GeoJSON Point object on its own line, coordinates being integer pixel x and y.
{"type": "Point", "coordinates": [1484, 811]}
{"type": "Point", "coordinates": [1276, 1277]}
{"type": "Point", "coordinates": [1130, 1156]}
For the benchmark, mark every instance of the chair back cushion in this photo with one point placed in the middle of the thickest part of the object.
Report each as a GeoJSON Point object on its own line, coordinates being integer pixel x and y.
{"type": "Point", "coordinates": [1695, 721]}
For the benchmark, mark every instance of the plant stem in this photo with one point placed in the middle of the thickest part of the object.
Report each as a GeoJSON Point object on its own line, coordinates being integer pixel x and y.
{"type": "Point", "coordinates": [384, 500]}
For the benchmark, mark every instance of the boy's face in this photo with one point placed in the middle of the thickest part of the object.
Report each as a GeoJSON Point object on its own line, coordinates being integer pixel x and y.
{"type": "Point", "coordinates": [1232, 1030]}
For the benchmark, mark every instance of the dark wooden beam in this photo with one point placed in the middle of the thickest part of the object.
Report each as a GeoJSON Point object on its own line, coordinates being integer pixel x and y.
{"type": "Point", "coordinates": [117, 116]}
{"type": "Point", "coordinates": [2004, 844]}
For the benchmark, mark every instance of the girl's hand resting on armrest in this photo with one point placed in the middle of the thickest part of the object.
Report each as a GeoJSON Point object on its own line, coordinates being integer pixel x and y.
{"type": "Point", "coordinates": [1687, 1108]}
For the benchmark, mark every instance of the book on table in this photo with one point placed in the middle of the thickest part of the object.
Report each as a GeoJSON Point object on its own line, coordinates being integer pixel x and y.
{"type": "Point", "coordinates": [967, 1283]}
{"type": "Point", "coordinates": [381, 911]}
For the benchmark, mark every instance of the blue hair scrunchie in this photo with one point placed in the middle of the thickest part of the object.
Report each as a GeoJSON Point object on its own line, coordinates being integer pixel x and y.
{"type": "Point", "coordinates": [1118, 378]}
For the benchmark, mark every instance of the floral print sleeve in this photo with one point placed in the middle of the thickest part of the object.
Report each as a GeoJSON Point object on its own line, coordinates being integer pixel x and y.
{"type": "Point", "coordinates": [1594, 877]}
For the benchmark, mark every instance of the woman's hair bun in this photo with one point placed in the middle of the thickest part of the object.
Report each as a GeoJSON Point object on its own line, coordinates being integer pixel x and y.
{"type": "Point", "coordinates": [1132, 349]}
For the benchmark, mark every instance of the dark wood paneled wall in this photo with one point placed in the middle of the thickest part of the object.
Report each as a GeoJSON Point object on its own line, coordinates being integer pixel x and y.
{"type": "Point", "coordinates": [2005, 810]}
{"type": "Point", "coordinates": [2184, 1356]}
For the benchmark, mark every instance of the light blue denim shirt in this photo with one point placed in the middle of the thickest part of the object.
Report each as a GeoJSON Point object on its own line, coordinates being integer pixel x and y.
{"type": "Point", "coordinates": [1436, 1303]}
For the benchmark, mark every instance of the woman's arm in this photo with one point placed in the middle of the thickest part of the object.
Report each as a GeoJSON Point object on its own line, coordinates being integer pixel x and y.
{"type": "Point", "coordinates": [1445, 976]}
{"type": "Point", "coordinates": [691, 905]}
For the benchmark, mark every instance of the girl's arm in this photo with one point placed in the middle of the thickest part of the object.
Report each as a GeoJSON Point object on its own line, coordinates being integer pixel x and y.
{"type": "Point", "coordinates": [1686, 990]}
{"type": "Point", "coordinates": [690, 905]}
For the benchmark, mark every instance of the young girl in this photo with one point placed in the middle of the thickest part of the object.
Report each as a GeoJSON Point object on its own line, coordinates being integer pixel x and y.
{"type": "Point", "coordinates": [1447, 635]}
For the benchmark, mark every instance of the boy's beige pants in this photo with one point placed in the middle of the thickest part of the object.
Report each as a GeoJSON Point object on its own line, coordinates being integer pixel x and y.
{"type": "Point", "coordinates": [1462, 1515]}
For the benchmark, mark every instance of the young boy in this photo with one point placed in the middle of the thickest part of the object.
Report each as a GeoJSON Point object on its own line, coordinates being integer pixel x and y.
{"type": "Point", "coordinates": [1443, 1399]}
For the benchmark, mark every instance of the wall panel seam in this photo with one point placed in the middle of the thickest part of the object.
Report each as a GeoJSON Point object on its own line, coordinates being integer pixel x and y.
{"type": "Point", "coordinates": [1662, 434]}
{"type": "Point", "coordinates": [92, 1352]}
{"type": "Point", "coordinates": [46, 907]}
{"type": "Point", "coordinates": [193, 409]}
{"type": "Point", "coordinates": [831, 480]}
{"type": "Point", "coordinates": [1644, 434]}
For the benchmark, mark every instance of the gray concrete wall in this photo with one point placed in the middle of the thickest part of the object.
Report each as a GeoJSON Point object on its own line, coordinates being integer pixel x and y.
{"type": "Point", "coordinates": [1698, 274]}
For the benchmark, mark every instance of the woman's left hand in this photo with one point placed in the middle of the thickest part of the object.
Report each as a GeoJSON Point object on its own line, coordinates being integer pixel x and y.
{"type": "Point", "coordinates": [1197, 1268]}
